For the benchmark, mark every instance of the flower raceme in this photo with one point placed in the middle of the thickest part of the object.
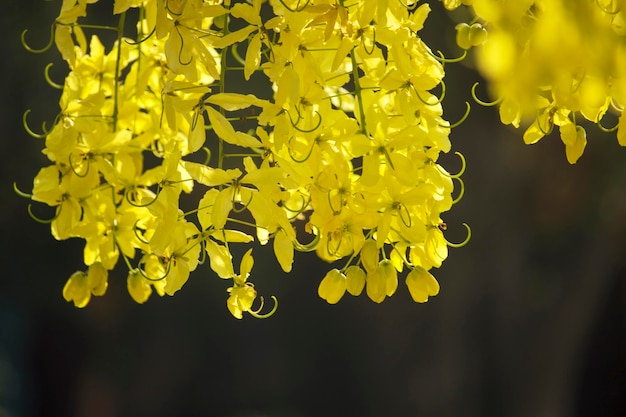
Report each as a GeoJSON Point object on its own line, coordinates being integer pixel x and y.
{"type": "Point", "coordinates": [551, 63]}
{"type": "Point", "coordinates": [342, 151]}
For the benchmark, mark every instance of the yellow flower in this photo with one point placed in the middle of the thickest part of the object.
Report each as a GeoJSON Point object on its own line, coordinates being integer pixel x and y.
{"type": "Point", "coordinates": [355, 280]}
{"type": "Point", "coordinates": [242, 294]}
{"type": "Point", "coordinates": [97, 279]}
{"type": "Point", "coordinates": [138, 287]}
{"type": "Point", "coordinates": [77, 289]}
{"type": "Point", "coordinates": [421, 285]}
{"type": "Point", "coordinates": [383, 282]}
{"type": "Point", "coordinates": [332, 287]}
{"type": "Point", "coordinates": [240, 300]}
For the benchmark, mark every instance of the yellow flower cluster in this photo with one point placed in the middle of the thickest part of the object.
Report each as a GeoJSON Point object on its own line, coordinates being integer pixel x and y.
{"type": "Point", "coordinates": [341, 152]}
{"type": "Point", "coordinates": [552, 62]}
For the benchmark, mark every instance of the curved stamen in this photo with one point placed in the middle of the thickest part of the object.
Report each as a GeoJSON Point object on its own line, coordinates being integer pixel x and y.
{"type": "Point", "coordinates": [167, 7]}
{"type": "Point", "coordinates": [295, 126]}
{"type": "Point", "coordinates": [167, 270]}
{"type": "Point", "coordinates": [137, 235]}
{"type": "Point", "coordinates": [410, 7]}
{"type": "Point", "coordinates": [458, 174]}
{"type": "Point", "coordinates": [182, 46]}
{"type": "Point", "coordinates": [334, 252]}
{"type": "Point", "coordinates": [45, 48]}
{"type": "Point", "coordinates": [550, 126]}
{"type": "Point", "coordinates": [309, 247]}
{"type": "Point", "coordinates": [29, 130]}
{"type": "Point", "coordinates": [299, 161]}
{"type": "Point", "coordinates": [235, 53]}
{"type": "Point", "coordinates": [46, 74]}
{"type": "Point", "coordinates": [21, 193]}
{"type": "Point", "coordinates": [370, 51]}
{"type": "Point", "coordinates": [298, 8]}
{"type": "Point", "coordinates": [297, 212]}
{"type": "Point", "coordinates": [245, 206]}
{"type": "Point", "coordinates": [132, 203]}
{"type": "Point", "coordinates": [441, 58]}
{"type": "Point", "coordinates": [464, 242]}
{"type": "Point", "coordinates": [605, 129]}
{"type": "Point", "coordinates": [208, 155]}
{"type": "Point", "coordinates": [44, 221]}
{"type": "Point", "coordinates": [461, 192]}
{"type": "Point", "coordinates": [616, 106]}
{"type": "Point", "coordinates": [131, 42]}
{"type": "Point", "coordinates": [255, 313]}
{"type": "Point", "coordinates": [457, 124]}
{"type": "Point", "coordinates": [74, 169]}
{"type": "Point", "coordinates": [482, 102]}
{"type": "Point", "coordinates": [406, 222]}
{"type": "Point", "coordinates": [341, 202]}
{"type": "Point", "coordinates": [439, 99]}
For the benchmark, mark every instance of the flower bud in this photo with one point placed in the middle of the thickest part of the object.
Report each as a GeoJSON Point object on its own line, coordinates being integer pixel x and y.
{"type": "Point", "coordinates": [77, 289]}
{"type": "Point", "coordinates": [369, 256]}
{"type": "Point", "coordinates": [421, 285]}
{"type": "Point", "coordinates": [463, 36]}
{"type": "Point", "coordinates": [333, 286]}
{"type": "Point", "coordinates": [97, 278]}
{"type": "Point", "coordinates": [477, 34]}
{"type": "Point", "coordinates": [138, 287]}
{"type": "Point", "coordinates": [355, 280]}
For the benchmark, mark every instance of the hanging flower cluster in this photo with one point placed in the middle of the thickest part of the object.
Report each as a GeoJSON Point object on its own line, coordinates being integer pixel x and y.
{"type": "Point", "coordinates": [341, 152]}
{"type": "Point", "coordinates": [551, 62]}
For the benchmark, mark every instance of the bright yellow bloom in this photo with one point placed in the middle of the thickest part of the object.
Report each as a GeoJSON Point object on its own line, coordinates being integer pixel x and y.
{"type": "Point", "coordinates": [340, 152]}
{"type": "Point", "coordinates": [242, 294]}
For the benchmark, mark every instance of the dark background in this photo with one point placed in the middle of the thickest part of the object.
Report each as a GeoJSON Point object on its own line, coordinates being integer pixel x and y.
{"type": "Point", "coordinates": [530, 321]}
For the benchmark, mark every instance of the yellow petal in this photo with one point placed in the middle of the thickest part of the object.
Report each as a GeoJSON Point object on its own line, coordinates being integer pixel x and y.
{"type": "Point", "coordinates": [138, 287]}
{"type": "Point", "coordinates": [208, 176]}
{"type": "Point", "coordinates": [332, 287]}
{"type": "Point", "coordinates": [221, 259]}
{"type": "Point", "coordinates": [77, 289]}
{"type": "Point", "coordinates": [247, 262]}
{"type": "Point", "coordinates": [97, 278]}
{"type": "Point", "coordinates": [225, 131]}
{"type": "Point", "coordinates": [246, 12]}
{"type": "Point", "coordinates": [421, 285]}
{"type": "Point", "coordinates": [234, 101]}
{"type": "Point", "coordinates": [574, 150]}
{"type": "Point", "coordinates": [283, 249]}
{"type": "Point", "coordinates": [46, 186]}
{"type": "Point", "coordinates": [355, 280]}
{"type": "Point", "coordinates": [369, 255]}
{"type": "Point", "coordinates": [435, 246]}
{"type": "Point", "coordinates": [391, 277]}
{"type": "Point", "coordinates": [222, 206]}
{"type": "Point", "coordinates": [253, 56]}
{"type": "Point", "coordinates": [376, 286]}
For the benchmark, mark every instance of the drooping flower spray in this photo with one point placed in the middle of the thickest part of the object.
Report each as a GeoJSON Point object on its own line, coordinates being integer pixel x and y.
{"type": "Point", "coordinates": [338, 155]}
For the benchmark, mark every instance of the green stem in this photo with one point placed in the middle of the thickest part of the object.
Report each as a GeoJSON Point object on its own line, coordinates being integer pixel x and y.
{"type": "Point", "coordinates": [357, 93]}
{"type": "Point", "coordinates": [118, 59]}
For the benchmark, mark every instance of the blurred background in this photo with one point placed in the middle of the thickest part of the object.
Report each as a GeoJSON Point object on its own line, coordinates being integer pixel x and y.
{"type": "Point", "coordinates": [530, 321]}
